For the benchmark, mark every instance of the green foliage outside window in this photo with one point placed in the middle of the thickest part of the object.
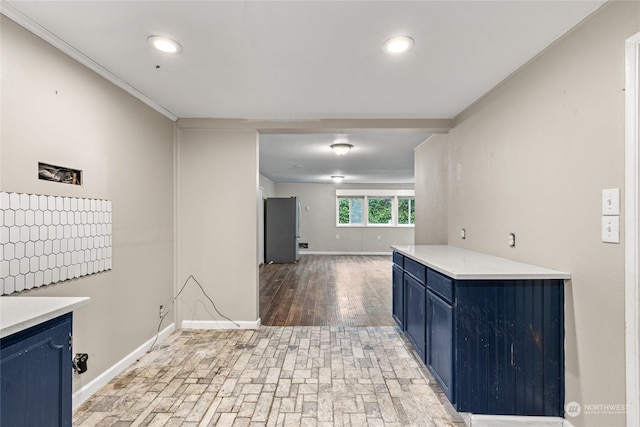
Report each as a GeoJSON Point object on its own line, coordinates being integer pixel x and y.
{"type": "Point", "coordinates": [379, 211]}
{"type": "Point", "coordinates": [350, 210]}
{"type": "Point", "coordinates": [406, 211]}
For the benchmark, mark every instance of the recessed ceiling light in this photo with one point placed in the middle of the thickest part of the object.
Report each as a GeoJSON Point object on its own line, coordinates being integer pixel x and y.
{"type": "Point", "coordinates": [164, 44]}
{"type": "Point", "coordinates": [398, 44]}
{"type": "Point", "coordinates": [337, 178]}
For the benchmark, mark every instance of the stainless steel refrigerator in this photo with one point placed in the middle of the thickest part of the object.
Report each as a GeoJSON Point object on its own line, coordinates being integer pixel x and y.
{"type": "Point", "coordinates": [282, 225]}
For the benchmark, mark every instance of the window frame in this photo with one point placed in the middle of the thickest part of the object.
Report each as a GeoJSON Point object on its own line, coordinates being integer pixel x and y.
{"type": "Point", "coordinates": [413, 203]}
{"type": "Point", "coordinates": [394, 195]}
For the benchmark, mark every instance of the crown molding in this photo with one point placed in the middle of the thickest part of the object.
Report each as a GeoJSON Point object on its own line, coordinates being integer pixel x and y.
{"type": "Point", "coordinates": [35, 28]}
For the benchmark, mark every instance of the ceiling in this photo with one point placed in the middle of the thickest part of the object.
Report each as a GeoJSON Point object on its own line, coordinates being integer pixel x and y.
{"type": "Point", "coordinates": [305, 60]}
{"type": "Point", "coordinates": [375, 157]}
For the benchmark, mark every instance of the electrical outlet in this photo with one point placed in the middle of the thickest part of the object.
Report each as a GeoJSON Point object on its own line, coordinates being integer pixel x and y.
{"type": "Point", "coordinates": [161, 311]}
{"type": "Point", "coordinates": [512, 240]}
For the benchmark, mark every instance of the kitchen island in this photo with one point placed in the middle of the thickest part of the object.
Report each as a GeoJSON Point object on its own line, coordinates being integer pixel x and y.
{"type": "Point", "coordinates": [490, 330]}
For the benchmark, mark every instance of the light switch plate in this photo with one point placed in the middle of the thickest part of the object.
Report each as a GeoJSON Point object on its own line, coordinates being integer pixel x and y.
{"type": "Point", "coordinates": [611, 201]}
{"type": "Point", "coordinates": [611, 229]}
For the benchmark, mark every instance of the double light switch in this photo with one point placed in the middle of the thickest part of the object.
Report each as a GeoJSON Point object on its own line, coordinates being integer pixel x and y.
{"type": "Point", "coordinates": [611, 215]}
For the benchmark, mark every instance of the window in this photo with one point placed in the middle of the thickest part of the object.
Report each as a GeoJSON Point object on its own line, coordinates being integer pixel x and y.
{"type": "Point", "coordinates": [350, 210]}
{"type": "Point", "coordinates": [375, 208]}
{"type": "Point", "coordinates": [379, 210]}
{"type": "Point", "coordinates": [406, 211]}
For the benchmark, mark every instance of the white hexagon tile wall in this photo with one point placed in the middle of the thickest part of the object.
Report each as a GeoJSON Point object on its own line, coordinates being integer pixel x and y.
{"type": "Point", "coordinates": [49, 239]}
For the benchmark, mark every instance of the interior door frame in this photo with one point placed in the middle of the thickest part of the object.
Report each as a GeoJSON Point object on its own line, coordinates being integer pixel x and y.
{"type": "Point", "coordinates": [632, 227]}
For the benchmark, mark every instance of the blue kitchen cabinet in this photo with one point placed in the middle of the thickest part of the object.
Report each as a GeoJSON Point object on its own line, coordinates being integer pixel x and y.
{"type": "Point", "coordinates": [415, 313]}
{"type": "Point", "coordinates": [440, 342]}
{"type": "Point", "coordinates": [494, 346]}
{"type": "Point", "coordinates": [398, 296]}
{"type": "Point", "coordinates": [35, 375]}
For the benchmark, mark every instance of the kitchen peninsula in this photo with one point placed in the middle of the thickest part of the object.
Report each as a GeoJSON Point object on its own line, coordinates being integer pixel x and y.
{"type": "Point", "coordinates": [490, 330]}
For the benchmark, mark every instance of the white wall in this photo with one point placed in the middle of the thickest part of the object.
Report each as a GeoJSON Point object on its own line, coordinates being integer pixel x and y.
{"type": "Point", "coordinates": [57, 111]}
{"type": "Point", "coordinates": [532, 157]}
{"type": "Point", "coordinates": [431, 174]}
{"type": "Point", "coordinates": [217, 220]}
{"type": "Point", "coordinates": [268, 187]}
{"type": "Point", "coordinates": [318, 223]}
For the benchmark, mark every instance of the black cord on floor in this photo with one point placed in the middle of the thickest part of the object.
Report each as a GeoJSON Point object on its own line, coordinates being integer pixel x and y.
{"type": "Point", "coordinates": [174, 300]}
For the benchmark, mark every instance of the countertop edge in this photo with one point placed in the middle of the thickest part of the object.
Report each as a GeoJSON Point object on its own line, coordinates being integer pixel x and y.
{"type": "Point", "coordinates": [44, 315]}
{"type": "Point", "coordinates": [550, 274]}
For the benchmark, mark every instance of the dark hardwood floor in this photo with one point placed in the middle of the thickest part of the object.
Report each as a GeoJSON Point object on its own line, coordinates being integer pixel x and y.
{"type": "Point", "coordinates": [322, 290]}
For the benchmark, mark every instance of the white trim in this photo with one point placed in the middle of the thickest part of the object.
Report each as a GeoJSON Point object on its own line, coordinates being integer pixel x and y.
{"type": "Point", "coordinates": [302, 252]}
{"type": "Point", "coordinates": [25, 22]}
{"type": "Point", "coordinates": [632, 263]}
{"type": "Point", "coordinates": [88, 390]}
{"type": "Point", "coordinates": [476, 420]}
{"type": "Point", "coordinates": [375, 193]}
{"type": "Point", "coordinates": [220, 324]}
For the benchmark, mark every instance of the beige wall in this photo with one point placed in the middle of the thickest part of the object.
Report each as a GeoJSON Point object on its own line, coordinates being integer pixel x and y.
{"type": "Point", "coordinates": [532, 158]}
{"type": "Point", "coordinates": [217, 220]}
{"type": "Point", "coordinates": [268, 187]}
{"type": "Point", "coordinates": [318, 224]}
{"type": "Point", "coordinates": [431, 174]}
{"type": "Point", "coordinates": [57, 111]}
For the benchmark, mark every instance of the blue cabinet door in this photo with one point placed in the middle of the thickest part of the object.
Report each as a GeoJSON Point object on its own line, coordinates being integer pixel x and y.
{"type": "Point", "coordinates": [440, 342]}
{"type": "Point", "coordinates": [398, 296]}
{"type": "Point", "coordinates": [35, 375]}
{"type": "Point", "coordinates": [415, 313]}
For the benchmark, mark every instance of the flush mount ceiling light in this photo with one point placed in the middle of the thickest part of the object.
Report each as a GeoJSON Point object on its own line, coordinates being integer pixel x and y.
{"type": "Point", "coordinates": [164, 44]}
{"type": "Point", "coordinates": [341, 148]}
{"type": "Point", "coordinates": [398, 44]}
{"type": "Point", "coordinates": [337, 178]}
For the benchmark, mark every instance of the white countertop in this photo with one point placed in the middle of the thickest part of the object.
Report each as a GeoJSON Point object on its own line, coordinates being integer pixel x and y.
{"type": "Point", "coordinates": [20, 313]}
{"type": "Point", "coordinates": [463, 264]}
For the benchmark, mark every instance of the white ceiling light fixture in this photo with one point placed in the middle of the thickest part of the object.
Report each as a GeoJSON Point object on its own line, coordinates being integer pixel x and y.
{"type": "Point", "coordinates": [341, 148]}
{"type": "Point", "coordinates": [397, 45]}
{"type": "Point", "coordinates": [164, 44]}
{"type": "Point", "coordinates": [337, 178]}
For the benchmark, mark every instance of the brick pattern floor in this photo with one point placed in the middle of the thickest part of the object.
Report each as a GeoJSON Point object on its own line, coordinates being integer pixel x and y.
{"type": "Point", "coordinates": [274, 376]}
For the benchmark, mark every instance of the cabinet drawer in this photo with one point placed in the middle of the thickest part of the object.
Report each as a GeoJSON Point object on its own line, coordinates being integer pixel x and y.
{"type": "Point", "coordinates": [398, 259]}
{"type": "Point", "coordinates": [440, 284]}
{"type": "Point", "coordinates": [416, 269]}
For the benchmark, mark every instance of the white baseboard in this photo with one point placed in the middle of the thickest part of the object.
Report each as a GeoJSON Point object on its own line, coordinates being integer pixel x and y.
{"type": "Point", "coordinates": [85, 392]}
{"type": "Point", "coordinates": [342, 253]}
{"type": "Point", "coordinates": [476, 420]}
{"type": "Point", "coordinates": [220, 324]}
